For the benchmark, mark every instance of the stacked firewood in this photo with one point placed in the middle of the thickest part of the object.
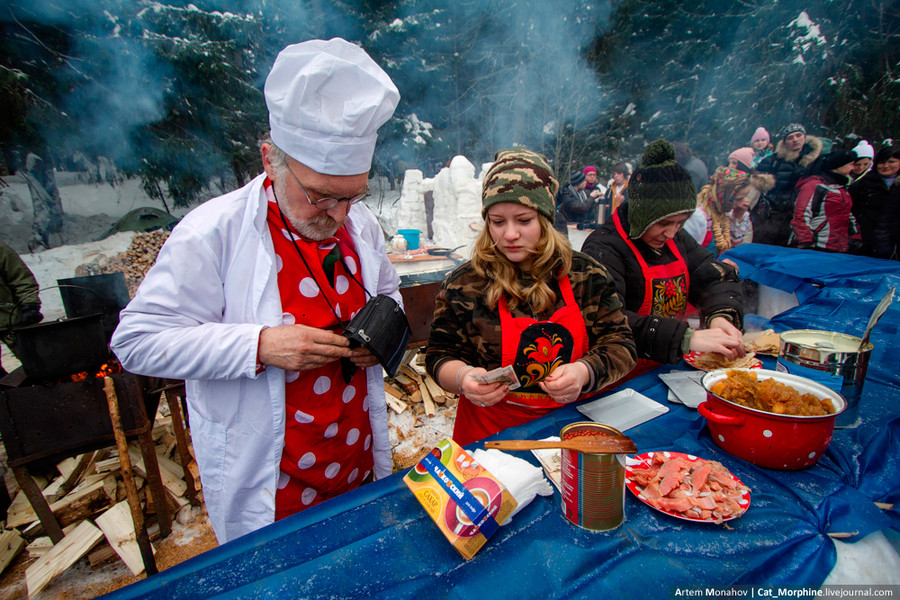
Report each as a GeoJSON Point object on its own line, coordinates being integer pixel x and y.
{"type": "Point", "coordinates": [413, 388]}
{"type": "Point", "coordinates": [421, 415]}
{"type": "Point", "coordinates": [88, 499]}
{"type": "Point", "coordinates": [134, 262]}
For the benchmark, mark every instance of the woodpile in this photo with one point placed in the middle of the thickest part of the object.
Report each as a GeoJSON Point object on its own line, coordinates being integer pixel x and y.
{"type": "Point", "coordinates": [421, 415]}
{"type": "Point", "coordinates": [88, 499]}
{"type": "Point", "coordinates": [134, 262]}
{"type": "Point", "coordinates": [412, 387]}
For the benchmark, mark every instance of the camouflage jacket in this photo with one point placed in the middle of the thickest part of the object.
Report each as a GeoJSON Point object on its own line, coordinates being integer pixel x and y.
{"type": "Point", "coordinates": [464, 328]}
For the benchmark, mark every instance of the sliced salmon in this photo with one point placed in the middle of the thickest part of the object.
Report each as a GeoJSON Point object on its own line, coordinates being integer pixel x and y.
{"type": "Point", "coordinates": [671, 482]}
{"type": "Point", "coordinates": [699, 476]}
{"type": "Point", "coordinates": [673, 466]}
{"type": "Point", "coordinates": [699, 489]}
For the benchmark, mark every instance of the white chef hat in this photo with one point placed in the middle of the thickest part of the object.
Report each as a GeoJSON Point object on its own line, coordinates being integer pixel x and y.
{"type": "Point", "coordinates": [864, 150]}
{"type": "Point", "coordinates": [326, 101]}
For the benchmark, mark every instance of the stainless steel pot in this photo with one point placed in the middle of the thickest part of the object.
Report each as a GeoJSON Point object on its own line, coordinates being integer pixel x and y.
{"type": "Point", "coordinates": [831, 359]}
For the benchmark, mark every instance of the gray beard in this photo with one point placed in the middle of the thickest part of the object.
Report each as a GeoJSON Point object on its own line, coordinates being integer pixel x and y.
{"type": "Point", "coordinates": [319, 228]}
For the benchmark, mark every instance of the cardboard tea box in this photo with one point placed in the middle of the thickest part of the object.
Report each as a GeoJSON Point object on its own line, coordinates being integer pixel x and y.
{"type": "Point", "coordinates": [464, 500]}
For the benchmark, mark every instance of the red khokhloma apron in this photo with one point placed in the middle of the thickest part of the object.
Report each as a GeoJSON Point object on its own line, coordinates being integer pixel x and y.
{"type": "Point", "coordinates": [328, 436]}
{"type": "Point", "coordinates": [665, 291]}
{"type": "Point", "coordinates": [534, 349]}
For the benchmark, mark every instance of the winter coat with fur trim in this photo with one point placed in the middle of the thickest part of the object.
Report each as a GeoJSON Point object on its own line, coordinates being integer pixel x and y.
{"type": "Point", "coordinates": [788, 167]}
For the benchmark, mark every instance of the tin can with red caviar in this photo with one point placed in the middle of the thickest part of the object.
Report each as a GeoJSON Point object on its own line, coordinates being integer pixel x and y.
{"type": "Point", "coordinates": [593, 485]}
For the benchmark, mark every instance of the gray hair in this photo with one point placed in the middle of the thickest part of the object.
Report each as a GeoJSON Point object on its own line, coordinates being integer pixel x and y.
{"type": "Point", "coordinates": [279, 156]}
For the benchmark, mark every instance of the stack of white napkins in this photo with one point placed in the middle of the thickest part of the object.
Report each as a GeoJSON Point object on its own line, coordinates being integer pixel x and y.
{"type": "Point", "coordinates": [523, 480]}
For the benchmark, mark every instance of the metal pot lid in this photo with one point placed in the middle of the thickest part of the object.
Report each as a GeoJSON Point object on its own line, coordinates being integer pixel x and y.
{"type": "Point", "coordinates": [825, 343]}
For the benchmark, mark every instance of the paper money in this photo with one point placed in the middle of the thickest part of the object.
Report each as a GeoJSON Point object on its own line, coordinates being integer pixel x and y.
{"type": "Point", "coordinates": [505, 375]}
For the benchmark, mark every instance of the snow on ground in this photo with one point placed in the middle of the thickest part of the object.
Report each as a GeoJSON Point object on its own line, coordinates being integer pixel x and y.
{"type": "Point", "coordinates": [92, 208]}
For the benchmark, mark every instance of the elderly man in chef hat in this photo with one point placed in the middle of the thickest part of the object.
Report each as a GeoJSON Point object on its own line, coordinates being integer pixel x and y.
{"type": "Point", "coordinates": [246, 300]}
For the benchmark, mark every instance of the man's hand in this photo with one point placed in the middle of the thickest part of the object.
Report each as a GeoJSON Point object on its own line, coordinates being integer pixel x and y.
{"type": "Point", "coordinates": [363, 358]}
{"type": "Point", "coordinates": [300, 348]}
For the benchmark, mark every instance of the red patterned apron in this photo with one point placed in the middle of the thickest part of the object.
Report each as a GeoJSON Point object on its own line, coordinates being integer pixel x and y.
{"type": "Point", "coordinates": [665, 291]}
{"type": "Point", "coordinates": [328, 436]}
{"type": "Point", "coordinates": [534, 349]}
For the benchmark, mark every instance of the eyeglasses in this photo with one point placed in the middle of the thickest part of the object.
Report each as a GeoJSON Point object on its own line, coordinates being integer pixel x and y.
{"type": "Point", "coordinates": [326, 203]}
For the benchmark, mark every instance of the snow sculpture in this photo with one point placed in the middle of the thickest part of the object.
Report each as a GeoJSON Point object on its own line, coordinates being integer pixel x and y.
{"type": "Point", "coordinates": [411, 214]}
{"type": "Point", "coordinates": [457, 205]}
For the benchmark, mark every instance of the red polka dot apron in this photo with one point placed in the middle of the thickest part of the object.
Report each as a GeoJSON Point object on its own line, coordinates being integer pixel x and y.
{"type": "Point", "coordinates": [534, 349]}
{"type": "Point", "coordinates": [327, 437]}
{"type": "Point", "coordinates": [665, 291]}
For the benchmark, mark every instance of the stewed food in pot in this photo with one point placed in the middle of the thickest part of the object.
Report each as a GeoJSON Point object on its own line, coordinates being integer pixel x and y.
{"type": "Point", "coordinates": [743, 387]}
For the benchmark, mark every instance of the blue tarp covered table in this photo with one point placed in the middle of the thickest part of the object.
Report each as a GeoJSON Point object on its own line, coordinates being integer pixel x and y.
{"type": "Point", "coordinates": [377, 542]}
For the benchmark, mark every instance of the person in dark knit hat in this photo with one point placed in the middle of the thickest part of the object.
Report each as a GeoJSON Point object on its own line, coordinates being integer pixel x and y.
{"type": "Point", "coordinates": [795, 154]}
{"type": "Point", "coordinates": [822, 217]}
{"type": "Point", "coordinates": [659, 269]}
{"type": "Point", "coordinates": [525, 301]}
{"type": "Point", "coordinates": [575, 204]}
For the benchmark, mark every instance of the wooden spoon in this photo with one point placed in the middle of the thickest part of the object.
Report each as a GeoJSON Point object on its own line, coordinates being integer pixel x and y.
{"type": "Point", "coordinates": [589, 444]}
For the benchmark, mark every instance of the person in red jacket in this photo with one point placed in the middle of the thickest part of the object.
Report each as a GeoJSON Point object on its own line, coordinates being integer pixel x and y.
{"type": "Point", "coordinates": [822, 216]}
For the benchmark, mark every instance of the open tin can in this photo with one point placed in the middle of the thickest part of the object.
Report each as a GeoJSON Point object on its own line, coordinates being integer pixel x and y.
{"type": "Point", "coordinates": [831, 359]}
{"type": "Point", "coordinates": [593, 485]}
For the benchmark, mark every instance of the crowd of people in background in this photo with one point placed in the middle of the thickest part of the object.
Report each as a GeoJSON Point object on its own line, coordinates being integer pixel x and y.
{"type": "Point", "coordinates": [796, 190]}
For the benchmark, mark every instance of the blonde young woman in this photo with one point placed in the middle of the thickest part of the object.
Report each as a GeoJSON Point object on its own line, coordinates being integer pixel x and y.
{"type": "Point", "coordinates": [525, 301]}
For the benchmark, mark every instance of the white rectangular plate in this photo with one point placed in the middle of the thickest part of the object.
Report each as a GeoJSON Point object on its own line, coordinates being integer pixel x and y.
{"type": "Point", "coordinates": [686, 386]}
{"type": "Point", "coordinates": [623, 410]}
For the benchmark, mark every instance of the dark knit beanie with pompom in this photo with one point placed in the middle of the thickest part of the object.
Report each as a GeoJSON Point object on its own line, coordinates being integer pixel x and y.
{"type": "Point", "coordinates": [658, 188]}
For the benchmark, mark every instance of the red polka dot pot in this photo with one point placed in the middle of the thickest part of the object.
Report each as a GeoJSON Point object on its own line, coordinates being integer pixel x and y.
{"type": "Point", "coordinates": [766, 439]}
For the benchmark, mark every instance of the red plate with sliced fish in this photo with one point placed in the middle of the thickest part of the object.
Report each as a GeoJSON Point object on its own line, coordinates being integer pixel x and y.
{"type": "Point", "coordinates": [686, 486]}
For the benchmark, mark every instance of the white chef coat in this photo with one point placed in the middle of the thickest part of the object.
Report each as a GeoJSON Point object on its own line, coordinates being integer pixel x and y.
{"type": "Point", "coordinates": [197, 316]}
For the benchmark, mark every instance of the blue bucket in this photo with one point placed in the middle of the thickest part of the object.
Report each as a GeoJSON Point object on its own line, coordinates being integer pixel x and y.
{"type": "Point", "coordinates": [412, 238]}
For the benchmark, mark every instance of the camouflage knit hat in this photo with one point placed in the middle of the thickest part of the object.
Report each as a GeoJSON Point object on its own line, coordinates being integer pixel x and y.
{"type": "Point", "coordinates": [658, 188]}
{"type": "Point", "coordinates": [521, 176]}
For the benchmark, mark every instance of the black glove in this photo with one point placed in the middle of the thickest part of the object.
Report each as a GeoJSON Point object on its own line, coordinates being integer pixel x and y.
{"type": "Point", "coordinates": [31, 314]}
{"type": "Point", "coordinates": [855, 246]}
